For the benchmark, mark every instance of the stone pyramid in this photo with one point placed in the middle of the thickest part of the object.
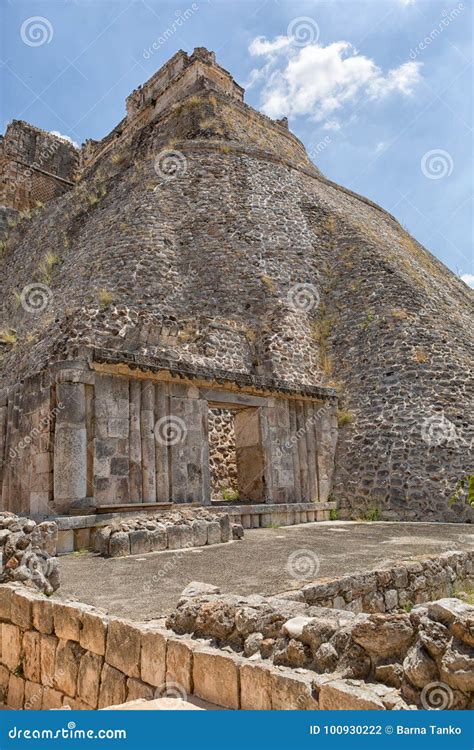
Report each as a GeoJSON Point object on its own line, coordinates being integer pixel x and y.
{"type": "Point", "coordinates": [198, 245]}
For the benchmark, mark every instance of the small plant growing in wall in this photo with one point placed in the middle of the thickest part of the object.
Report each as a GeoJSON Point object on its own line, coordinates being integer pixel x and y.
{"type": "Point", "coordinates": [46, 266]}
{"type": "Point", "coordinates": [420, 356]}
{"type": "Point", "coordinates": [229, 494]}
{"type": "Point", "coordinates": [369, 318]}
{"type": "Point", "coordinates": [334, 514]}
{"type": "Point", "coordinates": [105, 298]}
{"type": "Point", "coordinates": [8, 336]}
{"type": "Point", "coordinates": [372, 514]}
{"type": "Point", "coordinates": [344, 417]}
{"type": "Point", "coordinates": [464, 490]}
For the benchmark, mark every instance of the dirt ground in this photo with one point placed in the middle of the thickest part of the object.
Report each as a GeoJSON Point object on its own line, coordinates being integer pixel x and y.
{"type": "Point", "coordinates": [144, 587]}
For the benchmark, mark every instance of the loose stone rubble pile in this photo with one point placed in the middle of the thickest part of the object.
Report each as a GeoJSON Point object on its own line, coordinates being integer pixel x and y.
{"type": "Point", "coordinates": [374, 657]}
{"type": "Point", "coordinates": [26, 549]}
{"type": "Point", "coordinates": [173, 530]}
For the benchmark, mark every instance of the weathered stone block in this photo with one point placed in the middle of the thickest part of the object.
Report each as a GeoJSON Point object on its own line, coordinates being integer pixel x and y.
{"type": "Point", "coordinates": [137, 689]}
{"type": "Point", "coordinates": [213, 532]}
{"type": "Point", "coordinates": [11, 646]}
{"type": "Point", "coordinates": [48, 659]}
{"type": "Point", "coordinates": [93, 633]}
{"type": "Point", "coordinates": [112, 687]}
{"type": "Point", "coordinates": [181, 536]}
{"type": "Point", "coordinates": [68, 656]}
{"type": "Point", "coordinates": [16, 692]}
{"type": "Point", "coordinates": [33, 698]}
{"type": "Point", "coordinates": [119, 544]}
{"type": "Point", "coordinates": [179, 663]}
{"type": "Point", "coordinates": [140, 542]}
{"type": "Point", "coordinates": [255, 687]}
{"type": "Point", "coordinates": [52, 699]}
{"type": "Point", "coordinates": [216, 677]}
{"type": "Point", "coordinates": [123, 647]}
{"type": "Point", "coordinates": [224, 523]}
{"type": "Point", "coordinates": [21, 607]}
{"type": "Point", "coordinates": [65, 541]}
{"type": "Point", "coordinates": [5, 602]}
{"type": "Point", "coordinates": [4, 680]}
{"type": "Point", "coordinates": [32, 656]}
{"type": "Point", "coordinates": [200, 533]}
{"type": "Point", "coordinates": [341, 695]}
{"type": "Point", "coordinates": [67, 621]}
{"type": "Point", "coordinates": [153, 656]}
{"type": "Point", "coordinates": [88, 679]}
{"type": "Point", "coordinates": [42, 615]}
{"type": "Point", "coordinates": [291, 691]}
{"type": "Point", "coordinates": [159, 538]}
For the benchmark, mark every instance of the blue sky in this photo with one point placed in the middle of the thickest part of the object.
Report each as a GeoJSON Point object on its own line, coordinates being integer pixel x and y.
{"type": "Point", "coordinates": [379, 91]}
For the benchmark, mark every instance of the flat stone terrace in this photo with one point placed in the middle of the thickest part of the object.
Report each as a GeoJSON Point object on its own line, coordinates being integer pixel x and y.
{"type": "Point", "coordinates": [148, 586]}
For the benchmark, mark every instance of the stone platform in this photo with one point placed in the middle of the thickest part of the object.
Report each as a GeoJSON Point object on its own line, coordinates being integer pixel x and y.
{"type": "Point", "coordinates": [78, 532]}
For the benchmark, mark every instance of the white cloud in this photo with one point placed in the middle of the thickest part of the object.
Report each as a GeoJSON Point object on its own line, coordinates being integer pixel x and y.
{"type": "Point", "coordinates": [260, 46]}
{"type": "Point", "coordinates": [65, 138]}
{"type": "Point", "coordinates": [407, 2]}
{"type": "Point", "coordinates": [318, 81]}
{"type": "Point", "coordinates": [468, 279]}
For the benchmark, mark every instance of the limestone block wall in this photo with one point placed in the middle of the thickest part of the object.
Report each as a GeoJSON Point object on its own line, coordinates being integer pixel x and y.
{"type": "Point", "coordinates": [78, 436]}
{"type": "Point", "coordinates": [58, 654]}
{"type": "Point", "coordinates": [36, 166]}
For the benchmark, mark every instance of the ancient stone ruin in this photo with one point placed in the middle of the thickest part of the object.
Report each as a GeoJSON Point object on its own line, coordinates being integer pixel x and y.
{"type": "Point", "coordinates": [193, 263]}
{"type": "Point", "coordinates": [202, 334]}
{"type": "Point", "coordinates": [28, 553]}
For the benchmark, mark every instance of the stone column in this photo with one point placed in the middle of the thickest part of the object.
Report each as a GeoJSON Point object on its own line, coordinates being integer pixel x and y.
{"type": "Point", "coordinates": [147, 422]}
{"type": "Point", "coordinates": [70, 447]}
{"type": "Point", "coordinates": [326, 438]}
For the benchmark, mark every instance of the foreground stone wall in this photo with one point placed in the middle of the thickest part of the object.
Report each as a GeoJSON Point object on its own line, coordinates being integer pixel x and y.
{"type": "Point", "coordinates": [63, 654]}
{"type": "Point", "coordinates": [404, 651]}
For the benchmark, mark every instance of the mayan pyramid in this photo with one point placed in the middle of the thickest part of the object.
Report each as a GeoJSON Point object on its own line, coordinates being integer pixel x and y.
{"type": "Point", "coordinates": [195, 258]}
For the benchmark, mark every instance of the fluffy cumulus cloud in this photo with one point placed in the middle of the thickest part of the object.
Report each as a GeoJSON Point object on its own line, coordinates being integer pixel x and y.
{"type": "Point", "coordinates": [319, 81]}
{"type": "Point", "coordinates": [468, 279]}
{"type": "Point", "coordinates": [65, 138]}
